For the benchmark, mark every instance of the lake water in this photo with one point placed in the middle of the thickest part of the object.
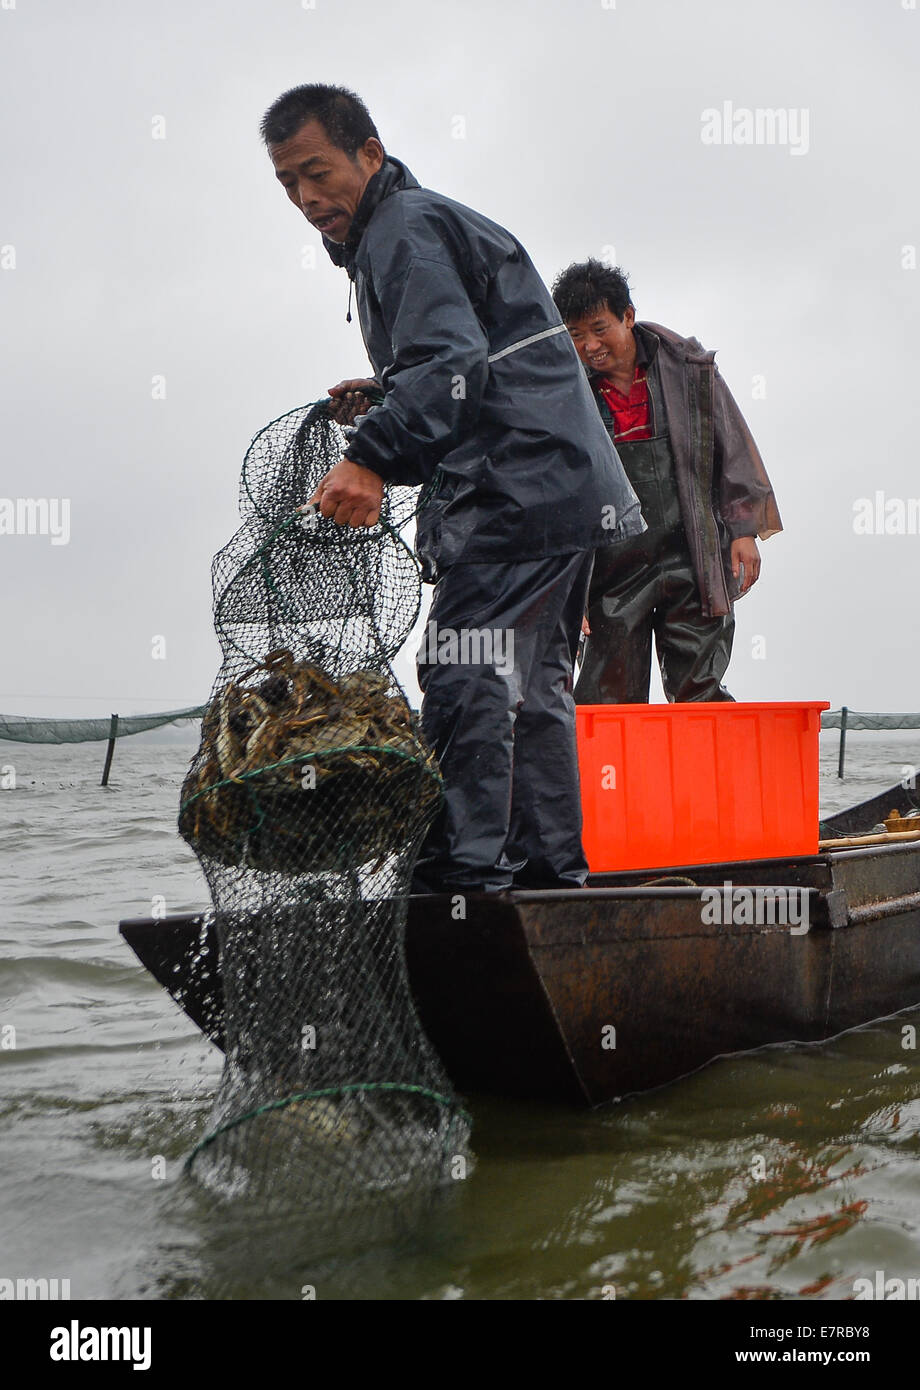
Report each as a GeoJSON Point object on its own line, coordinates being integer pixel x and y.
{"type": "Point", "coordinates": [656, 1197]}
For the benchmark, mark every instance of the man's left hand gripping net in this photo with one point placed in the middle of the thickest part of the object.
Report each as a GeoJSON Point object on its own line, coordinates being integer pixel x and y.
{"type": "Point", "coordinates": [306, 804]}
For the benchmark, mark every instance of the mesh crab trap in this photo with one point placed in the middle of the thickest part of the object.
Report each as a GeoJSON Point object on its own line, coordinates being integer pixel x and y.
{"type": "Point", "coordinates": [306, 805]}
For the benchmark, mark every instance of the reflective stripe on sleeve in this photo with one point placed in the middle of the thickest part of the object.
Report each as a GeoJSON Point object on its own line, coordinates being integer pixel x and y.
{"type": "Point", "coordinates": [525, 342]}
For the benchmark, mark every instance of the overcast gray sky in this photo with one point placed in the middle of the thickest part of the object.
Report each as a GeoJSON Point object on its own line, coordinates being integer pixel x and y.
{"type": "Point", "coordinates": [582, 129]}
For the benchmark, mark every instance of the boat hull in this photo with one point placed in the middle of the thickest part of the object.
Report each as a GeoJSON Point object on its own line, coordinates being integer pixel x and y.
{"type": "Point", "coordinates": [627, 984]}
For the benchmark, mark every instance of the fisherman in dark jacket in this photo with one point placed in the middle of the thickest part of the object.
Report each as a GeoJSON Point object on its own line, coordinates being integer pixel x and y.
{"type": "Point", "coordinates": [704, 491]}
{"type": "Point", "coordinates": [484, 403]}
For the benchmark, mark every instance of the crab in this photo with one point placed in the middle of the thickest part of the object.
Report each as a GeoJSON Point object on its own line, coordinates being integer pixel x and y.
{"type": "Point", "coordinates": [283, 713]}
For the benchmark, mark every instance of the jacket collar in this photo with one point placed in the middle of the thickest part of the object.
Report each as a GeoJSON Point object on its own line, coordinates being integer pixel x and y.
{"type": "Point", "coordinates": [671, 343]}
{"type": "Point", "coordinates": [390, 178]}
{"type": "Point", "coordinates": [647, 344]}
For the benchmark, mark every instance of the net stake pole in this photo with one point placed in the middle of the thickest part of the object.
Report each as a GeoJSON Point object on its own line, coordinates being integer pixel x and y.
{"type": "Point", "coordinates": [843, 740]}
{"type": "Point", "coordinates": [113, 731]}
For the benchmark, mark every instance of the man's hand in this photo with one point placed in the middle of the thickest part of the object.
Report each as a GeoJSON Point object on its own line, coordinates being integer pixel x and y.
{"type": "Point", "coordinates": [585, 627]}
{"type": "Point", "coordinates": [350, 399]}
{"type": "Point", "coordinates": [745, 552]}
{"type": "Point", "coordinates": [350, 494]}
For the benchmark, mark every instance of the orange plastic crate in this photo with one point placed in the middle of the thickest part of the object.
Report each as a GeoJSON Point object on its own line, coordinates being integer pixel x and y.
{"type": "Point", "coordinates": [664, 785]}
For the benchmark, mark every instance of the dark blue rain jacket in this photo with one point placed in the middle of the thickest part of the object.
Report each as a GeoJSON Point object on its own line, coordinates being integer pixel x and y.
{"type": "Point", "coordinates": [486, 401]}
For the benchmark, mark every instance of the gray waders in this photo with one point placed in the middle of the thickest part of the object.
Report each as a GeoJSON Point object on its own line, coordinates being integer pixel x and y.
{"type": "Point", "coordinates": [648, 585]}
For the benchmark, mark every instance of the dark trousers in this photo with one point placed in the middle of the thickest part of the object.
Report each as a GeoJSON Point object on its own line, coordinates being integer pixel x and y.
{"type": "Point", "coordinates": [633, 596]}
{"type": "Point", "coordinates": [500, 717]}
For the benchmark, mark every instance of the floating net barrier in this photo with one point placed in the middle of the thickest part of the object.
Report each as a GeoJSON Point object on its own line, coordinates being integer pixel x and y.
{"type": "Point", "coordinates": [852, 719]}
{"type": "Point", "coordinates": [306, 804]}
{"type": "Point", "coordinates": [24, 728]}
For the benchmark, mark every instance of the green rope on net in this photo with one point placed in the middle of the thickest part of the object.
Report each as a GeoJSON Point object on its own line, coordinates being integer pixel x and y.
{"type": "Point", "coordinates": [433, 772]}
{"type": "Point", "coordinates": [446, 1102]}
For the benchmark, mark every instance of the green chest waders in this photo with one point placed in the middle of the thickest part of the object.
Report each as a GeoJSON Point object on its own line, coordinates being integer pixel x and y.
{"type": "Point", "coordinates": [648, 585]}
{"type": "Point", "coordinates": [649, 466]}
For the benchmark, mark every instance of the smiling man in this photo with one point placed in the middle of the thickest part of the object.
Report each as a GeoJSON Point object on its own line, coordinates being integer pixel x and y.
{"type": "Point", "coordinates": [704, 491]}
{"type": "Point", "coordinates": [485, 404]}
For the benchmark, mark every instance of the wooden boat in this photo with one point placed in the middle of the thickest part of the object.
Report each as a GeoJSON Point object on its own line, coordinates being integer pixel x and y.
{"type": "Point", "coordinates": [583, 996]}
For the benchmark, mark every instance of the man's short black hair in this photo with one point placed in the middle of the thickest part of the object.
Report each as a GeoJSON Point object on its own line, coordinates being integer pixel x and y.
{"type": "Point", "coordinates": [588, 285]}
{"type": "Point", "coordinates": [343, 116]}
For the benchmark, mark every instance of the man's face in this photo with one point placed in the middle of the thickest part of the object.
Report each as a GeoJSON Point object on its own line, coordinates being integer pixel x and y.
{"type": "Point", "coordinates": [322, 180]}
{"type": "Point", "coordinates": [604, 342]}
